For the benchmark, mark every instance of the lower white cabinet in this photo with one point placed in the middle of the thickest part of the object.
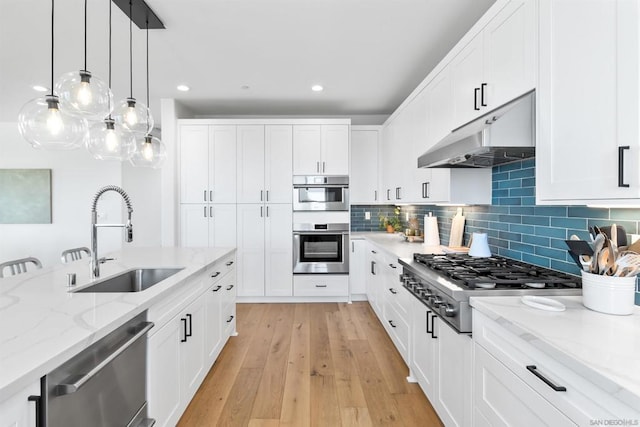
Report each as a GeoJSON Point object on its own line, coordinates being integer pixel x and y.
{"type": "Point", "coordinates": [190, 330]}
{"type": "Point", "coordinates": [374, 280]}
{"type": "Point", "coordinates": [500, 398]}
{"type": "Point", "coordinates": [441, 361]}
{"type": "Point", "coordinates": [358, 267]}
{"type": "Point", "coordinates": [18, 411]}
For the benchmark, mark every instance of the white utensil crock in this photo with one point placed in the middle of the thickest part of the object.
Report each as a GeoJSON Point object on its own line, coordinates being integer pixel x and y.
{"type": "Point", "coordinates": [608, 294]}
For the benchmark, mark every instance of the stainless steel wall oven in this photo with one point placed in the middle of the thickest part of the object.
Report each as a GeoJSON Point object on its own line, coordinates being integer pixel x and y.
{"type": "Point", "coordinates": [321, 248]}
{"type": "Point", "coordinates": [320, 193]}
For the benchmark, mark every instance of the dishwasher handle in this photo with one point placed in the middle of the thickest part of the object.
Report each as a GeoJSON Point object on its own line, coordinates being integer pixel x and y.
{"type": "Point", "coordinates": [75, 382]}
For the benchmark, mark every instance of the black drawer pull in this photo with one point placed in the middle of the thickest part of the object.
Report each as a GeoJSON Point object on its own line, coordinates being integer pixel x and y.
{"type": "Point", "coordinates": [184, 324]}
{"type": "Point", "coordinates": [190, 327]}
{"type": "Point", "coordinates": [39, 413]}
{"type": "Point", "coordinates": [230, 319]}
{"type": "Point", "coordinates": [475, 98]}
{"type": "Point", "coordinates": [216, 274]}
{"type": "Point", "coordinates": [532, 369]}
{"type": "Point", "coordinates": [229, 263]}
{"type": "Point", "coordinates": [217, 288]}
{"type": "Point", "coordinates": [392, 266]}
{"type": "Point", "coordinates": [391, 323]}
{"type": "Point", "coordinates": [321, 286]}
{"type": "Point", "coordinates": [393, 291]}
{"type": "Point", "coordinates": [230, 287]}
{"type": "Point", "coordinates": [433, 326]}
{"type": "Point", "coordinates": [482, 88]}
{"type": "Point", "coordinates": [621, 166]}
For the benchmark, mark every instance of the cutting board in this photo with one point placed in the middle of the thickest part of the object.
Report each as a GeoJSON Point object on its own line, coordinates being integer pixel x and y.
{"type": "Point", "coordinates": [457, 230]}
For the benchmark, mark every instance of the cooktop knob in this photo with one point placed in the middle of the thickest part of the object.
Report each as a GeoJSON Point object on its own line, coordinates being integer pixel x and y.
{"type": "Point", "coordinates": [449, 311]}
{"type": "Point", "coordinates": [437, 301]}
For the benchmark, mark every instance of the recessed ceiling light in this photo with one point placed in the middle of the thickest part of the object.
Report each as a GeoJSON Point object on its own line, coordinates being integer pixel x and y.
{"type": "Point", "coordinates": [183, 88]}
{"type": "Point", "coordinates": [40, 88]}
{"type": "Point", "coordinates": [317, 88]}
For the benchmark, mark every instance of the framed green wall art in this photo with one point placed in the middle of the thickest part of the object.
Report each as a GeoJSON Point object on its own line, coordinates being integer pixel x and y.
{"type": "Point", "coordinates": [25, 196]}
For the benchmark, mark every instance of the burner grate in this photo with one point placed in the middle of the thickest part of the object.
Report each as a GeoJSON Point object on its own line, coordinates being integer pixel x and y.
{"type": "Point", "coordinates": [495, 271]}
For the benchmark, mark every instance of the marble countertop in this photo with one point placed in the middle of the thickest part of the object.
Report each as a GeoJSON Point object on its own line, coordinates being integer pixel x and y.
{"type": "Point", "coordinates": [395, 244]}
{"type": "Point", "coordinates": [602, 348]}
{"type": "Point", "coordinates": [42, 324]}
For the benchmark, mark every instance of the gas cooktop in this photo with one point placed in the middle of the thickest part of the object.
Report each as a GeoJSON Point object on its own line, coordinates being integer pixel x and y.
{"type": "Point", "coordinates": [495, 272]}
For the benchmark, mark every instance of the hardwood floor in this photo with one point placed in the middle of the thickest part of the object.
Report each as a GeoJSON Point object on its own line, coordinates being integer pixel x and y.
{"type": "Point", "coordinates": [328, 364]}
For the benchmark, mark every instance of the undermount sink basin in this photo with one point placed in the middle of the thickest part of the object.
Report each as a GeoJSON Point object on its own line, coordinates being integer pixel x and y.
{"type": "Point", "coordinates": [134, 280]}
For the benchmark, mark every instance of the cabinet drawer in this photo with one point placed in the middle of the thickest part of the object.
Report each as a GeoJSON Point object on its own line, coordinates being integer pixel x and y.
{"type": "Point", "coordinates": [314, 285]}
{"type": "Point", "coordinates": [581, 402]}
{"type": "Point", "coordinates": [398, 329]}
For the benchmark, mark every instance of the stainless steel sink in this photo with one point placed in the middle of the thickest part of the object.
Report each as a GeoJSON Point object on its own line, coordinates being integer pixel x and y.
{"type": "Point", "coordinates": [134, 280]}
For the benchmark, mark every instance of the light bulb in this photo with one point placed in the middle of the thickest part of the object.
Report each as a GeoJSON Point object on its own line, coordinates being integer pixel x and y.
{"type": "Point", "coordinates": [147, 150]}
{"type": "Point", "coordinates": [134, 116]}
{"type": "Point", "coordinates": [111, 140]}
{"type": "Point", "coordinates": [131, 116]}
{"type": "Point", "coordinates": [84, 94]}
{"type": "Point", "coordinates": [150, 152]}
{"type": "Point", "coordinates": [54, 121]}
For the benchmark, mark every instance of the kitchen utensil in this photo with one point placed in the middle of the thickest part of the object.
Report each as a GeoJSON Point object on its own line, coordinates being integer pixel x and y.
{"type": "Point", "coordinates": [598, 243]}
{"type": "Point", "coordinates": [431, 236]}
{"type": "Point", "coordinates": [621, 234]}
{"type": "Point", "coordinates": [579, 247]}
{"type": "Point", "coordinates": [480, 246]}
{"type": "Point", "coordinates": [628, 264]}
{"type": "Point", "coordinates": [634, 247]}
{"type": "Point", "coordinates": [457, 229]}
{"type": "Point", "coordinates": [543, 303]}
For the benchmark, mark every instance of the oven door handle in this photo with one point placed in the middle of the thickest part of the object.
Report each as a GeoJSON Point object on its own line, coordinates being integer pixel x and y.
{"type": "Point", "coordinates": [71, 387]}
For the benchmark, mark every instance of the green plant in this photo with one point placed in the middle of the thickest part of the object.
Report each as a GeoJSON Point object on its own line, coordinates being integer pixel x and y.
{"type": "Point", "coordinates": [392, 220]}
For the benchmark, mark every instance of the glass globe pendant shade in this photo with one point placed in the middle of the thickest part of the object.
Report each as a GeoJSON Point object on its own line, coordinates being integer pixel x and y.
{"type": "Point", "coordinates": [84, 95]}
{"type": "Point", "coordinates": [150, 152]}
{"type": "Point", "coordinates": [44, 125]}
{"type": "Point", "coordinates": [109, 141]}
{"type": "Point", "coordinates": [134, 116]}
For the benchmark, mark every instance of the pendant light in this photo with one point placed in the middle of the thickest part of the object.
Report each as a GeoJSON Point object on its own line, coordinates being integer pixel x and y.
{"type": "Point", "coordinates": [44, 124]}
{"type": "Point", "coordinates": [82, 93]}
{"type": "Point", "coordinates": [131, 114]}
{"type": "Point", "coordinates": [109, 140]}
{"type": "Point", "coordinates": [150, 151]}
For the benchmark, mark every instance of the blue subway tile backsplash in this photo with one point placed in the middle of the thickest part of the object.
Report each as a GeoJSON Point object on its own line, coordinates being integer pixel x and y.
{"type": "Point", "coordinates": [517, 228]}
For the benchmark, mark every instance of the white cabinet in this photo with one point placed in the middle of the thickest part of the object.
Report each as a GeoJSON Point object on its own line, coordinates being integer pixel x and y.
{"type": "Point", "coordinates": [375, 279]}
{"type": "Point", "coordinates": [207, 164]}
{"type": "Point", "coordinates": [498, 64]}
{"type": "Point", "coordinates": [321, 149]}
{"type": "Point", "coordinates": [442, 363]}
{"type": "Point", "coordinates": [320, 285]}
{"type": "Point", "coordinates": [587, 103]}
{"type": "Point", "coordinates": [208, 225]}
{"type": "Point", "coordinates": [192, 326]}
{"type": "Point", "coordinates": [358, 267]}
{"type": "Point", "coordinates": [264, 163]}
{"type": "Point", "coordinates": [364, 176]}
{"type": "Point", "coordinates": [18, 411]}
{"type": "Point", "coordinates": [500, 398]}
{"type": "Point", "coordinates": [265, 250]}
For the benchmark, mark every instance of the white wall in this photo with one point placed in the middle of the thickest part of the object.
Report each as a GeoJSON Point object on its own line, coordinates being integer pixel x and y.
{"type": "Point", "coordinates": [75, 178]}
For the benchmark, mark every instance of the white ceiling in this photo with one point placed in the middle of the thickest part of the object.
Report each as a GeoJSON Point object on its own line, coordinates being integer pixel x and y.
{"type": "Point", "coordinates": [368, 54]}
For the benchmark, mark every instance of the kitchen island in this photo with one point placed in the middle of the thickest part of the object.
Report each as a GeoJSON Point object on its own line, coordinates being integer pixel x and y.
{"type": "Point", "coordinates": [43, 324]}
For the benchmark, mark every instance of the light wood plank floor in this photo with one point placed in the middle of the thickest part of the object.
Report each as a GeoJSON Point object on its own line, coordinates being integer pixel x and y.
{"type": "Point", "coordinates": [309, 365]}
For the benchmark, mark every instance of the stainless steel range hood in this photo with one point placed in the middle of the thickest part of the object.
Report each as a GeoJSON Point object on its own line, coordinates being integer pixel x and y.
{"type": "Point", "coordinates": [505, 135]}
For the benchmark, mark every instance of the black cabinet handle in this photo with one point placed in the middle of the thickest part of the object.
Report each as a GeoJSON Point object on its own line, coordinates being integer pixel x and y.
{"type": "Point", "coordinates": [388, 194]}
{"type": "Point", "coordinates": [374, 252]}
{"type": "Point", "coordinates": [532, 369]}
{"type": "Point", "coordinates": [373, 267]}
{"type": "Point", "coordinates": [393, 291]}
{"type": "Point", "coordinates": [184, 329]}
{"type": "Point", "coordinates": [475, 99]}
{"type": "Point", "coordinates": [391, 323]}
{"type": "Point", "coordinates": [427, 322]}
{"type": "Point", "coordinates": [230, 287]}
{"type": "Point", "coordinates": [392, 266]}
{"type": "Point", "coordinates": [433, 326]}
{"type": "Point", "coordinates": [621, 166]}
{"type": "Point", "coordinates": [229, 263]}
{"type": "Point", "coordinates": [482, 87]}
{"type": "Point", "coordinates": [217, 288]}
{"type": "Point", "coordinates": [188, 334]}
{"type": "Point", "coordinates": [39, 414]}
{"type": "Point", "coordinates": [216, 274]}
{"type": "Point", "coordinates": [425, 190]}
{"type": "Point", "coordinates": [230, 319]}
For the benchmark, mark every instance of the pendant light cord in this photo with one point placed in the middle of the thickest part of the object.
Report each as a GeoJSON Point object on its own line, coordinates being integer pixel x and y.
{"type": "Point", "coordinates": [109, 101]}
{"type": "Point", "coordinates": [85, 35]}
{"type": "Point", "coordinates": [148, 106]}
{"type": "Point", "coordinates": [130, 48]}
{"type": "Point", "coordinates": [52, 43]}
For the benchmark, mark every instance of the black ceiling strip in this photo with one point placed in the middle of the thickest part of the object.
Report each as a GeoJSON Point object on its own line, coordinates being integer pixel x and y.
{"type": "Point", "coordinates": [140, 12]}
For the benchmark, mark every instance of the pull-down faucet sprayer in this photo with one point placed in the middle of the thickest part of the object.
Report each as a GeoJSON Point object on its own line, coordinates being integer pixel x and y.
{"type": "Point", "coordinates": [95, 261]}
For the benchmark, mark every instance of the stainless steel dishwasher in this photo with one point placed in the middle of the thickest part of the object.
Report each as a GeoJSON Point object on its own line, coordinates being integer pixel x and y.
{"type": "Point", "coordinates": [104, 385]}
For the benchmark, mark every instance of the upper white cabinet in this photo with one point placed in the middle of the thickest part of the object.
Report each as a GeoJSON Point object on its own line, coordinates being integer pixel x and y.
{"type": "Point", "coordinates": [264, 163]}
{"type": "Point", "coordinates": [363, 182]}
{"type": "Point", "coordinates": [207, 164]}
{"type": "Point", "coordinates": [587, 103]}
{"type": "Point", "coordinates": [208, 225]}
{"type": "Point", "coordinates": [321, 149]}
{"type": "Point", "coordinates": [498, 64]}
